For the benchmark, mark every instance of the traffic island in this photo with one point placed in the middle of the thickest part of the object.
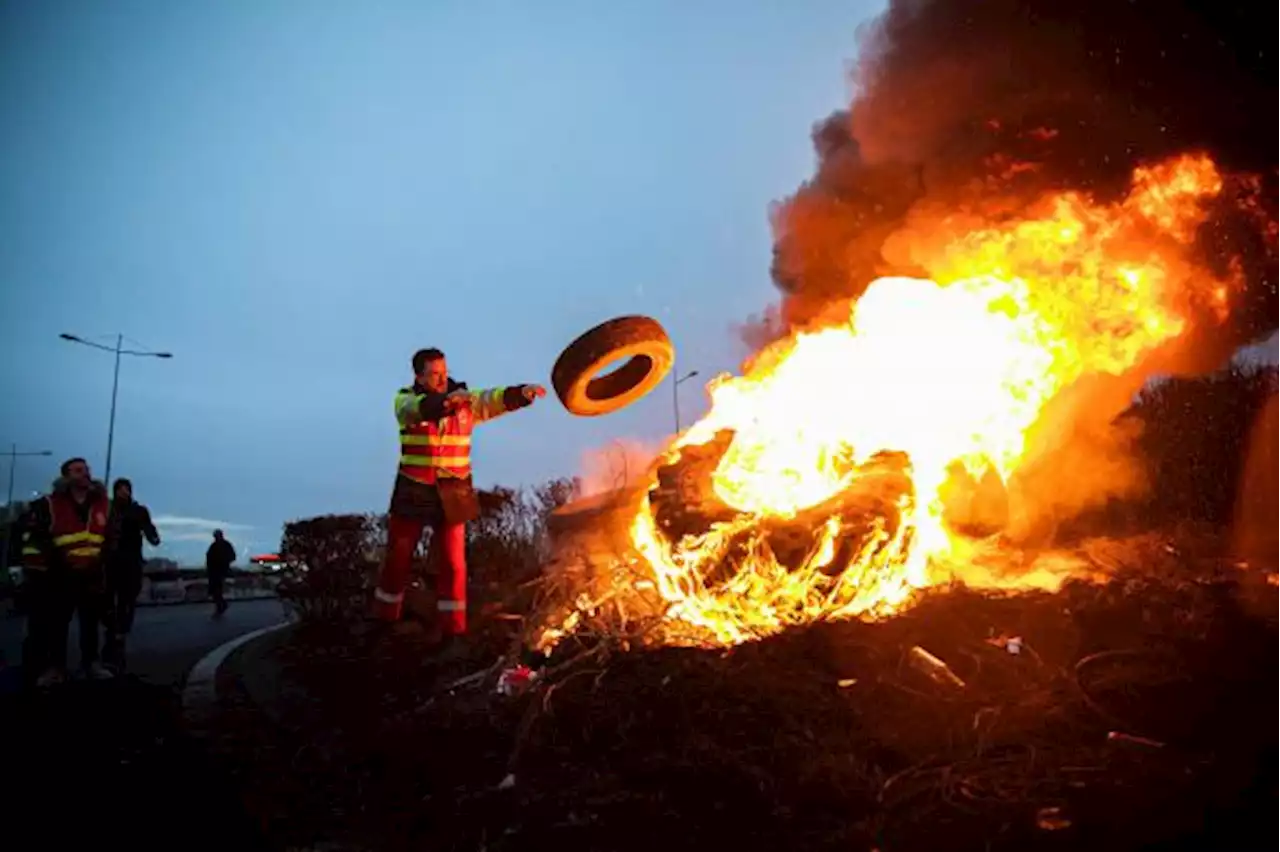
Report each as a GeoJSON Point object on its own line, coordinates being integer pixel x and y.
{"type": "Point", "coordinates": [1138, 714]}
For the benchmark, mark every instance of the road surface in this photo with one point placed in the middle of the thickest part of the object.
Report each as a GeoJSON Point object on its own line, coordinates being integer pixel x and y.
{"type": "Point", "coordinates": [166, 640]}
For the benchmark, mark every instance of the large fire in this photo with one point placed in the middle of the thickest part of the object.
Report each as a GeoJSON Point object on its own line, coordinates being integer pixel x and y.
{"type": "Point", "coordinates": [949, 371]}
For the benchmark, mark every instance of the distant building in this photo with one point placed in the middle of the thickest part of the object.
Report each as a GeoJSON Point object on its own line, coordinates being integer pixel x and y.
{"type": "Point", "coordinates": [160, 565]}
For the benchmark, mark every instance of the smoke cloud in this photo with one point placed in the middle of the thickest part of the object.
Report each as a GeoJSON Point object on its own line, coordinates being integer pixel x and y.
{"type": "Point", "coordinates": [978, 104]}
{"type": "Point", "coordinates": [976, 108]}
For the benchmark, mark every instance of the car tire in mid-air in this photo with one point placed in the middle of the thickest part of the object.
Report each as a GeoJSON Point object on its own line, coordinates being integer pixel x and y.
{"type": "Point", "coordinates": [582, 375]}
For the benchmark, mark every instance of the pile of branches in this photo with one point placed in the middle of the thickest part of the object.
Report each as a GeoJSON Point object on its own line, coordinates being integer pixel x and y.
{"type": "Point", "coordinates": [999, 720]}
{"type": "Point", "coordinates": [1119, 716]}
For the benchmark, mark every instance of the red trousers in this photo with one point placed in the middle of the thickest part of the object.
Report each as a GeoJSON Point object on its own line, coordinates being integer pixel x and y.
{"type": "Point", "coordinates": [447, 553]}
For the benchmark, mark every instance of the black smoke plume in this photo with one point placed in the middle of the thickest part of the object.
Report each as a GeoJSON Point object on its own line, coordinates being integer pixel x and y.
{"type": "Point", "coordinates": [980, 106]}
{"type": "Point", "coordinates": [966, 103]}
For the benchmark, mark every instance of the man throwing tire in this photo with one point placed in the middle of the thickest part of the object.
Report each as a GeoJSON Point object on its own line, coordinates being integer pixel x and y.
{"type": "Point", "coordinates": [433, 485]}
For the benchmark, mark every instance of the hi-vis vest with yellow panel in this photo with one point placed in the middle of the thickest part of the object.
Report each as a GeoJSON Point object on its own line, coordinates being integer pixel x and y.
{"type": "Point", "coordinates": [79, 542]}
{"type": "Point", "coordinates": [32, 556]}
{"type": "Point", "coordinates": [433, 449]}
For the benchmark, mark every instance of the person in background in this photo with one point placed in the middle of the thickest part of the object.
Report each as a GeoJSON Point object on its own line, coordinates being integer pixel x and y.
{"type": "Point", "coordinates": [65, 532]}
{"type": "Point", "coordinates": [34, 573]}
{"type": "Point", "coordinates": [217, 562]}
{"type": "Point", "coordinates": [128, 523]}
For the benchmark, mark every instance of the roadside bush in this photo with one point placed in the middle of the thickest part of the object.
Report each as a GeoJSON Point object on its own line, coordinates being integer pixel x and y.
{"type": "Point", "coordinates": [332, 560]}
{"type": "Point", "coordinates": [507, 546]}
{"type": "Point", "coordinates": [329, 562]}
{"type": "Point", "coordinates": [508, 543]}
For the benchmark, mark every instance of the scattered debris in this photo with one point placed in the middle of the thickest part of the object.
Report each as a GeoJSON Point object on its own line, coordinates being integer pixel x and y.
{"type": "Point", "coordinates": [516, 680]}
{"type": "Point", "coordinates": [934, 668]}
{"type": "Point", "coordinates": [1133, 740]}
{"type": "Point", "coordinates": [1012, 644]}
{"type": "Point", "coordinates": [757, 747]}
{"type": "Point", "coordinates": [1051, 819]}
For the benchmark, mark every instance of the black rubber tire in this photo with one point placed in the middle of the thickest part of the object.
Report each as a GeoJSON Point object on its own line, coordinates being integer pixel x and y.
{"type": "Point", "coordinates": [577, 377]}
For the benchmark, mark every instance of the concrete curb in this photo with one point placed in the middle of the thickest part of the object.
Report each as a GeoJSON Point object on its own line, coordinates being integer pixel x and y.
{"type": "Point", "coordinates": [201, 690]}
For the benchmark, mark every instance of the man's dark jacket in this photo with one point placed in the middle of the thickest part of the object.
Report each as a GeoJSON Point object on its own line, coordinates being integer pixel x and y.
{"type": "Point", "coordinates": [219, 556]}
{"type": "Point", "coordinates": [130, 523]}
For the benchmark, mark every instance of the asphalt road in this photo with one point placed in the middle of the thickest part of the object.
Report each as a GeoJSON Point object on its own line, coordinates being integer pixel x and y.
{"type": "Point", "coordinates": [166, 640]}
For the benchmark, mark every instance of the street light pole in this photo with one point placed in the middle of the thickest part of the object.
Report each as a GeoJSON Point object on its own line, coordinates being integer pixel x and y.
{"type": "Point", "coordinates": [14, 454]}
{"type": "Point", "coordinates": [117, 351]}
{"type": "Point", "coordinates": [675, 393]}
{"type": "Point", "coordinates": [111, 423]}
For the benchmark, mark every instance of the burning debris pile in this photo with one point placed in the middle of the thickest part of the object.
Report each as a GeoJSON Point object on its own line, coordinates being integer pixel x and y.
{"type": "Point", "coordinates": [1020, 722]}
{"type": "Point", "coordinates": [859, 461]}
{"type": "Point", "coordinates": [1010, 231]}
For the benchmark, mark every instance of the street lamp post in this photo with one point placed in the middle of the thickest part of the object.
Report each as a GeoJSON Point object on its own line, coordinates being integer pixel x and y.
{"type": "Point", "coordinates": [675, 393]}
{"type": "Point", "coordinates": [116, 350]}
{"type": "Point", "coordinates": [14, 454]}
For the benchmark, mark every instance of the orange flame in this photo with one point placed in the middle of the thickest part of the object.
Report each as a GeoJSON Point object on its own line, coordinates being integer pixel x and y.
{"type": "Point", "coordinates": [951, 370]}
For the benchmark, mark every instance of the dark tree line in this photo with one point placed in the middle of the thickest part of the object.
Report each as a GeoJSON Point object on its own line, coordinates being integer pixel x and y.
{"type": "Point", "coordinates": [1198, 442]}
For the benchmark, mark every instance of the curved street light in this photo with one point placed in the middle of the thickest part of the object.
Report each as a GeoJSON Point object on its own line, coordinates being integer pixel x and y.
{"type": "Point", "coordinates": [675, 393]}
{"type": "Point", "coordinates": [116, 350]}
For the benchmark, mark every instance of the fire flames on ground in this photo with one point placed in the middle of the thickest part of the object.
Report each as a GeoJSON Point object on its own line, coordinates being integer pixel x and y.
{"type": "Point", "coordinates": [1026, 211]}
{"type": "Point", "coordinates": [876, 453]}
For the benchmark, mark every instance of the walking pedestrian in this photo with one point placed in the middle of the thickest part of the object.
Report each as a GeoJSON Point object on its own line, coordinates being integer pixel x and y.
{"type": "Point", "coordinates": [128, 524]}
{"type": "Point", "coordinates": [217, 563]}
{"type": "Point", "coordinates": [65, 533]}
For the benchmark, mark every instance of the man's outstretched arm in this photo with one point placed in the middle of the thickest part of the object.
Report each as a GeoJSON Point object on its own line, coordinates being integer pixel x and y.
{"type": "Point", "coordinates": [495, 402]}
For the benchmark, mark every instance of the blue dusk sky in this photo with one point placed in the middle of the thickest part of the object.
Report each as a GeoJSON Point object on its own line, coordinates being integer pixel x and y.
{"type": "Point", "coordinates": [293, 196]}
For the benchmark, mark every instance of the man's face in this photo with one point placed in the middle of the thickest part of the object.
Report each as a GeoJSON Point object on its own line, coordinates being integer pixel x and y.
{"type": "Point", "coordinates": [78, 473]}
{"type": "Point", "coordinates": [435, 376]}
{"type": "Point", "coordinates": [124, 492]}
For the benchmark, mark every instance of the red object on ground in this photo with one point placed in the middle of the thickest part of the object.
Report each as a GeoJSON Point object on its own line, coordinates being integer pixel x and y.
{"type": "Point", "coordinates": [516, 680]}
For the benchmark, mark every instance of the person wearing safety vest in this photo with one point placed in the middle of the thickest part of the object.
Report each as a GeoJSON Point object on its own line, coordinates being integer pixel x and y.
{"type": "Point", "coordinates": [62, 568]}
{"type": "Point", "coordinates": [33, 564]}
{"type": "Point", "coordinates": [433, 487]}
